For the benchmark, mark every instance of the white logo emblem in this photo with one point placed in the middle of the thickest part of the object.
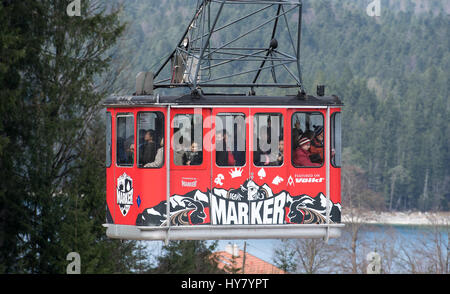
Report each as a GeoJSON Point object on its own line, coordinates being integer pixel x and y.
{"type": "Point", "coordinates": [262, 173]}
{"type": "Point", "coordinates": [124, 193]}
{"type": "Point", "coordinates": [290, 181]}
{"type": "Point", "coordinates": [218, 179]}
{"type": "Point", "coordinates": [236, 172]}
{"type": "Point", "coordinates": [277, 180]}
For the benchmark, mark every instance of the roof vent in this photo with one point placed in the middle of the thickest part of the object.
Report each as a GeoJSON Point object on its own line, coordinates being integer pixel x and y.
{"type": "Point", "coordinates": [320, 90]}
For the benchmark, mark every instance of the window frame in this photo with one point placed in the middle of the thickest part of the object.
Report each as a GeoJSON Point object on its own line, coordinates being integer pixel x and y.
{"type": "Point", "coordinates": [108, 139]}
{"type": "Point", "coordinates": [120, 115]}
{"type": "Point", "coordinates": [332, 139]}
{"type": "Point", "coordinates": [324, 132]}
{"type": "Point", "coordinates": [200, 143]}
{"type": "Point", "coordinates": [281, 132]}
{"type": "Point", "coordinates": [227, 113]}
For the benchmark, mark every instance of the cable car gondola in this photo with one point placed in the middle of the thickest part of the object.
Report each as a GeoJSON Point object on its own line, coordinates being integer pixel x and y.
{"type": "Point", "coordinates": [196, 166]}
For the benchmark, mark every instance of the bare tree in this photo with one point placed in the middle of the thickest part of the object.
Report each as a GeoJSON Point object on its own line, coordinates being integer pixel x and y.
{"type": "Point", "coordinates": [431, 252]}
{"type": "Point", "coordinates": [353, 189]}
{"type": "Point", "coordinates": [438, 253]}
{"type": "Point", "coordinates": [314, 255]}
{"type": "Point", "coordinates": [310, 256]}
{"type": "Point", "coordinates": [386, 246]}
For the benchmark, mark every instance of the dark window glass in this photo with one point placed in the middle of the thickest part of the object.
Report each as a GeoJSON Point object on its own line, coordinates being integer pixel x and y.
{"type": "Point", "coordinates": [336, 148]}
{"type": "Point", "coordinates": [151, 139]}
{"type": "Point", "coordinates": [188, 139]}
{"type": "Point", "coordinates": [268, 141]}
{"type": "Point", "coordinates": [307, 139]}
{"type": "Point", "coordinates": [125, 140]}
{"type": "Point", "coordinates": [230, 139]}
{"type": "Point", "coordinates": [108, 139]}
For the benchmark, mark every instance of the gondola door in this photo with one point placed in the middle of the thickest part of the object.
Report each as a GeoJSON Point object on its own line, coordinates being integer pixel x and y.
{"type": "Point", "coordinates": [268, 164]}
{"type": "Point", "coordinates": [230, 166]}
{"type": "Point", "coordinates": [137, 169]}
{"type": "Point", "coordinates": [151, 172]}
{"type": "Point", "coordinates": [307, 172]}
{"type": "Point", "coordinates": [190, 159]}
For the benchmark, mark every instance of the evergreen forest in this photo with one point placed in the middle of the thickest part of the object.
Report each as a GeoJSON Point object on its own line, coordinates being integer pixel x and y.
{"type": "Point", "coordinates": [391, 71]}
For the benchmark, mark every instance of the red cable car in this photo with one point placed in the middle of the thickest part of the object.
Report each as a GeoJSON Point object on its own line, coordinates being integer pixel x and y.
{"type": "Point", "coordinates": [197, 166]}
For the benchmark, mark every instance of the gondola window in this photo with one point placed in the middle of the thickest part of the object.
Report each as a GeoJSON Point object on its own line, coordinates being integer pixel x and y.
{"type": "Point", "coordinates": [336, 148]}
{"type": "Point", "coordinates": [268, 141]}
{"type": "Point", "coordinates": [188, 139]}
{"type": "Point", "coordinates": [307, 139]}
{"type": "Point", "coordinates": [150, 139]}
{"type": "Point", "coordinates": [108, 139]}
{"type": "Point", "coordinates": [125, 140]}
{"type": "Point", "coordinates": [230, 146]}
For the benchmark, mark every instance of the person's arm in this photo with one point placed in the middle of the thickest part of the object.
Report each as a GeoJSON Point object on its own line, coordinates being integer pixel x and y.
{"type": "Point", "coordinates": [158, 159]}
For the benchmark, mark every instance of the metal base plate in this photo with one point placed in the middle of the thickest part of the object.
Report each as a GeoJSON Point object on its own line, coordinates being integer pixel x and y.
{"type": "Point", "coordinates": [224, 232]}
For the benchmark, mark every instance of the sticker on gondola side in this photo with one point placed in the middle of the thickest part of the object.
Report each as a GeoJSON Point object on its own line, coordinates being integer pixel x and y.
{"type": "Point", "coordinates": [189, 182]}
{"type": "Point", "coordinates": [248, 204]}
{"type": "Point", "coordinates": [124, 193]}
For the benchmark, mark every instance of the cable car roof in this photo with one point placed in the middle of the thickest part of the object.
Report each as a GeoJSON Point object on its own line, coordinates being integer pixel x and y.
{"type": "Point", "coordinates": [222, 100]}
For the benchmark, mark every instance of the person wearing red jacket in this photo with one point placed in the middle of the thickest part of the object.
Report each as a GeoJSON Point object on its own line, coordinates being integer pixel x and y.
{"type": "Point", "coordinates": [317, 145]}
{"type": "Point", "coordinates": [302, 153]}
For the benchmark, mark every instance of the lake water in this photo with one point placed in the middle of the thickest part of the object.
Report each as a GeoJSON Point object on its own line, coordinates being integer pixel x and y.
{"type": "Point", "coordinates": [400, 239]}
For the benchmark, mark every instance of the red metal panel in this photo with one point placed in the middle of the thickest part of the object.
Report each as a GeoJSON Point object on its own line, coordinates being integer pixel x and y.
{"type": "Point", "coordinates": [183, 178]}
{"type": "Point", "coordinates": [147, 184]}
{"type": "Point", "coordinates": [203, 194]}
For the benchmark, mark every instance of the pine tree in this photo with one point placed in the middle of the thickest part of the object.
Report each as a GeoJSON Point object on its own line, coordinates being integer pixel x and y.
{"type": "Point", "coordinates": [51, 144]}
{"type": "Point", "coordinates": [285, 256]}
{"type": "Point", "coordinates": [15, 22]}
{"type": "Point", "coordinates": [187, 257]}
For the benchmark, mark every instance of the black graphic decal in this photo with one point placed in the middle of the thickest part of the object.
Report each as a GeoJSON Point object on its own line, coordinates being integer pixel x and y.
{"type": "Point", "coordinates": [124, 193]}
{"type": "Point", "coordinates": [248, 204]}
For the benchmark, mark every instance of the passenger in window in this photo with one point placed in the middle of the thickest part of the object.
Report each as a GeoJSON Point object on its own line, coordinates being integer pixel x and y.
{"type": "Point", "coordinates": [224, 157]}
{"type": "Point", "coordinates": [307, 134]}
{"type": "Point", "coordinates": [296, 134]}
{"type": "Point", "coordinates": [280, 156]}
{"type": "Point", "coordinates": [317, 145]}
{"type": "Point", "coordinates": [277, 159]}
{"type": "Point", "coordinates": [148, 149]}
{"type": "Point", "coordinates": [130, 154]}
{"type": "Point", "coordinates": [159, 157]}
{"type": "Point", "coordinates": [194, 156]}
{"type": "Point", "coordinates": [302, 153]}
